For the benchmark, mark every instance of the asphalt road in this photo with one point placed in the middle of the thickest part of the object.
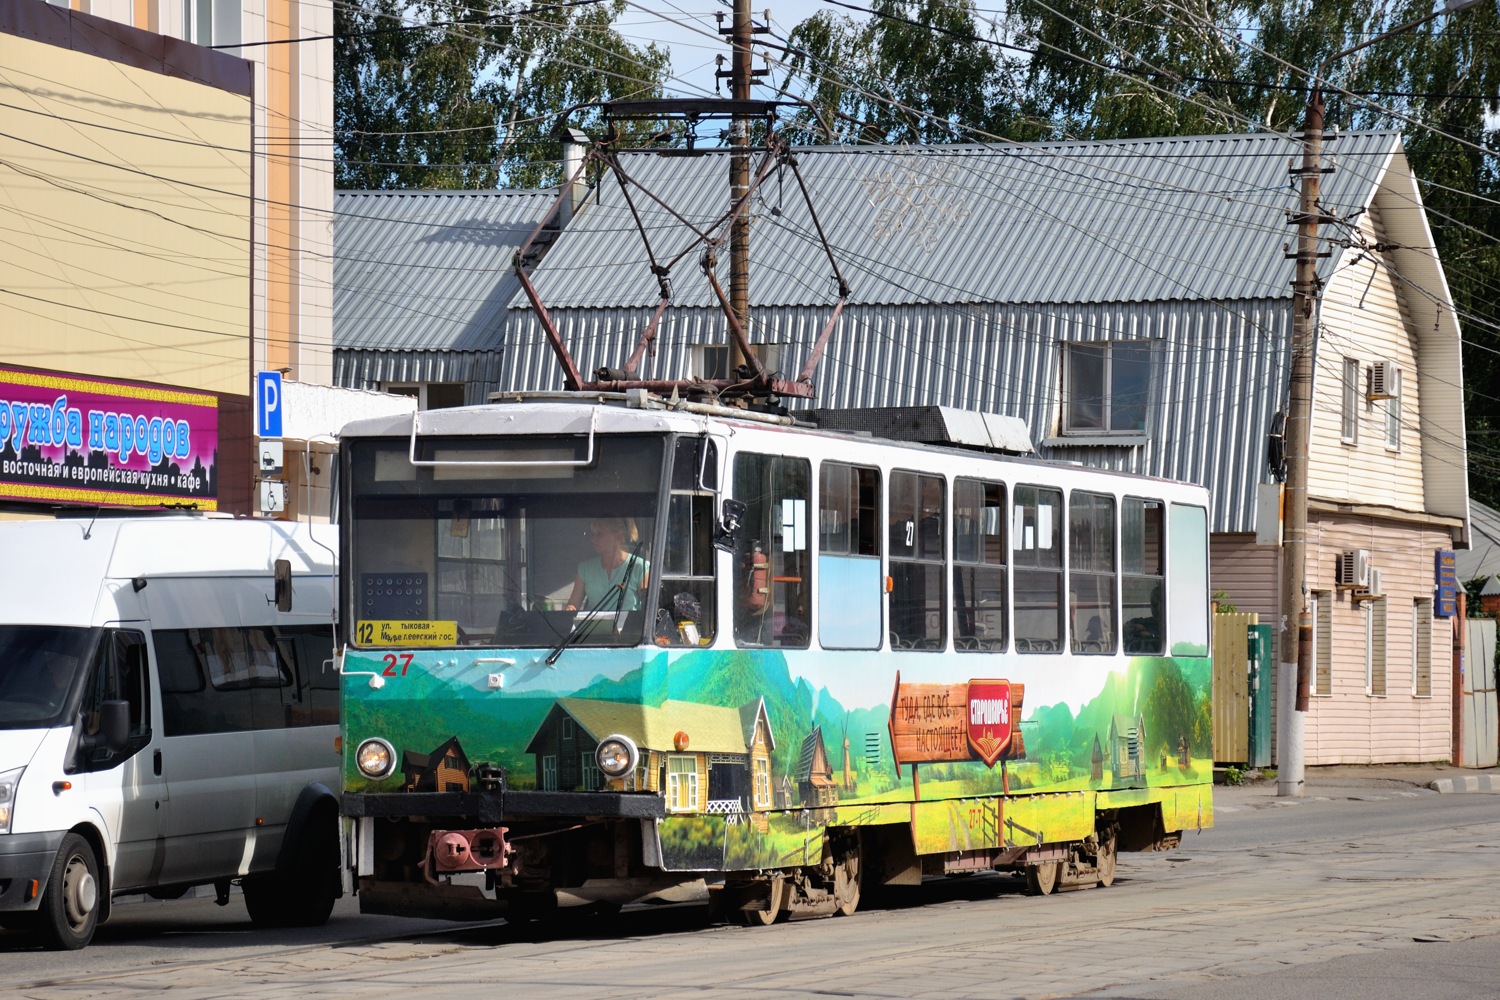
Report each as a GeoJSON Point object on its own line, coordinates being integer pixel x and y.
{"type": "Point", "coordinates": [1360, 894]}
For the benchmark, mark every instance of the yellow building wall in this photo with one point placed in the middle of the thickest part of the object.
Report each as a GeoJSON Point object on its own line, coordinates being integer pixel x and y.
{"type": "Point", "coordinates": [127, 211]}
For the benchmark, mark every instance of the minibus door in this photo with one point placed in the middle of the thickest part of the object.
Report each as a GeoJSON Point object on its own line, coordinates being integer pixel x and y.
{"type": "Point", "coordinates": [126, 786]}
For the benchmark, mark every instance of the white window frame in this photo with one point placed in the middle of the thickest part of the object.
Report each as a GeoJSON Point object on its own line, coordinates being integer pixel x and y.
{"type": "Point", "coordinates": [1393, 414]}
{"type": "Point", "coordinates": [1349, 419]}
{"type": "Point", "coordinates": [1421, 646]}
{"type": "Point", "coordinates": [1322, 644]}
{"type": "Point", "coordinates": [549, 772]}
{"type": "Point", "coordinates": [682, 796]}
{"type": "Point", "coordinates": [415, 389]}
{"type": "Point", "coordinates": [589, 774]}
{"type": "Point", "coordinates": [1106, 389]}
{"type": "Point", "coordinates": [702, 358]}
{"type": "Point", "coordinates": [1376, 663]}
{"type": "Point", "coordinates": [762, 783]}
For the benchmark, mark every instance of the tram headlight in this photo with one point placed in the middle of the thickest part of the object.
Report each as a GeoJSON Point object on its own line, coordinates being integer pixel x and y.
{"type": "Point", "coordinates": [375, 758]}
{"type": "Point", "coordinates": [616, 756]}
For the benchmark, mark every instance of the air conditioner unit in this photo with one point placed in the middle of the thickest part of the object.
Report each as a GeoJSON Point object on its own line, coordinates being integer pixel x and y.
{"type": "Point", "coordinates": [1353, 569]}
{"type": "Point", "coordinates": [1368, 593]}
{"type": "Point", "coordinates": [1375, 589]}
{"type": "Point", "coordinates": [1385, 377]}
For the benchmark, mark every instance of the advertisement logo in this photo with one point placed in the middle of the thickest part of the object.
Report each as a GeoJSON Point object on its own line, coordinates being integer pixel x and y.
{"type": "Point", "coordinates": [989, 719]}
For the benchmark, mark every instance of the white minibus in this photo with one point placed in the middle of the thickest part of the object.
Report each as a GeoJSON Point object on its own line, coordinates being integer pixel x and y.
{"type": "Point", "coordinates": [168, 718]}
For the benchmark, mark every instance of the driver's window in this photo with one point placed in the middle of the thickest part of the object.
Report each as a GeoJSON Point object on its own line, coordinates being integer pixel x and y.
{"type": "Point", "coordinates": [685, 600]}
{"type": "Point", "coordinates": [119, 673]}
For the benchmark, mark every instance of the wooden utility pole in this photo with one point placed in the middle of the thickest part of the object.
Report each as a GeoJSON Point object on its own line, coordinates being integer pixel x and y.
{"type": "Point", "coordinates": [739, 179]}
{"type": "Point", "coordinates": [1295, 642]}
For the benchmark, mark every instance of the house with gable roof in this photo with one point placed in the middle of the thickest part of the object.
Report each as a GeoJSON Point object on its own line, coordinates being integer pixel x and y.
{"type": "Point", "coordinates": [703, 758]}
{"type": "Point", "coordinates": [1130, 300]}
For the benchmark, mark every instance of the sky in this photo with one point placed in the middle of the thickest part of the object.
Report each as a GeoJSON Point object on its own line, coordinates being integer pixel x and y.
{"type": "Point", "coordinates": [688, 29]}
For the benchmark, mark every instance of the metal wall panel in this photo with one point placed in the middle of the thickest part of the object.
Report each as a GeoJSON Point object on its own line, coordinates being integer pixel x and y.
{"type": "Point", "coordinates": [478, 370]}
{"type": "Point", "coordinates": [1221, 371]}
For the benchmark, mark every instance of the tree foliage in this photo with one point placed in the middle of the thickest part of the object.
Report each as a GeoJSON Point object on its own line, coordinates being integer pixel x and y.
{"type": "Point", "coordinates": [1138, 68]}
{"type": "Point", "coordinates": [451, 94]}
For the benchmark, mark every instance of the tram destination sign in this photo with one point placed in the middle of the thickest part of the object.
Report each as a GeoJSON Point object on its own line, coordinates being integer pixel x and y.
{"type": "Point", "coordinates": [935, 723]}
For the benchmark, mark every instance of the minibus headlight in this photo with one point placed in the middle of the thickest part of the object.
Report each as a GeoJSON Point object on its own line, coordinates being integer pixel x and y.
{"type": "Point", "coordinates": [375, 758]}
{"type": "Point", "coordinates": [616, 756]}
{"type": "Point", "coordinates": [8, 782]}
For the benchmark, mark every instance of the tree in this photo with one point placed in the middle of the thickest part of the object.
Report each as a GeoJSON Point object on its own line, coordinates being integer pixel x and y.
{"type": "Point", "coordinates": [448, 94]}
{"type": "Point", "coordinates": [918, 71]}
{"type": "Point", "coordinates": [1137, 68]}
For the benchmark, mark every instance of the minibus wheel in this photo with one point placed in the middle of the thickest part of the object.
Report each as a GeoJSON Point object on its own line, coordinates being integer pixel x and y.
{"type": "Point", "coordinates": [69, 911]}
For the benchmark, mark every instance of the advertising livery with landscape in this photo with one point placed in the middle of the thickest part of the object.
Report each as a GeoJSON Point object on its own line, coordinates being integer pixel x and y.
{"type": "Point", "coordinates": [604, 646]}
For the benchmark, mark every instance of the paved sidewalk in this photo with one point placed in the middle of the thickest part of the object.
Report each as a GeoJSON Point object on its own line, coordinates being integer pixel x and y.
{"type": "Point", "coordinates": [1336, 779]}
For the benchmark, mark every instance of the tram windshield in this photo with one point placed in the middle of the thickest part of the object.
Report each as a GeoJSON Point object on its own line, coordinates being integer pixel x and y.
{"type": "Point", "coordinates": [515, 542]}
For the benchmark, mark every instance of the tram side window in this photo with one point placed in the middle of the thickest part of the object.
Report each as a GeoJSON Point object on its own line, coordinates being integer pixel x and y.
{"type": "Point", "coordinates": [1187, 599]}
{"type": "Point", "coordinates": [849, 580]}
{"type": "Point", "coordinates": [918, 584]}
{"type": "Point", "coordinates": [1036, 554]}
{"type": "Point", "coordinates": [1091, 573]}
{"type": "Point", "coordinates": [685, 602]}
{"type": "Point", "coordinates": [1141, 559]}
{"type": "Point", "coordinates": [772, 577]}
{"type": "Point", "coordinates": [978, 565]}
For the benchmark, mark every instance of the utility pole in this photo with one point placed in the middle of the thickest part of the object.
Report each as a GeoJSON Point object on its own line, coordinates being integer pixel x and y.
{"type": "Point", "coordinates": [1293, 675]}
{"type": "Point", "coordinates": [1292, 680]}
{"type": "Point", "coordinates": [739, 179]}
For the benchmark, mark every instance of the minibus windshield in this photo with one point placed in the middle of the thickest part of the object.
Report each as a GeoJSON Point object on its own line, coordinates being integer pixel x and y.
{"type": "Point", "coordinates": [40, 666]}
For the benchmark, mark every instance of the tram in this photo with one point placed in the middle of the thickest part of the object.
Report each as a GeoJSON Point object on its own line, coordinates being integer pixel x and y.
{"type": "Point", "coordinates": [605, 645]}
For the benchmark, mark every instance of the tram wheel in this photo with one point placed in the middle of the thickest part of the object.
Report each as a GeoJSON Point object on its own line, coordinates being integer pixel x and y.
{"type": "Point", "coordinates": [1042, 879]}
{"type": "Point", "coordinates": [778, 895]}
{"type": "Point", "coordinates": [847, 879]}
{"type": "Point", "coordinates": [1109, 852]}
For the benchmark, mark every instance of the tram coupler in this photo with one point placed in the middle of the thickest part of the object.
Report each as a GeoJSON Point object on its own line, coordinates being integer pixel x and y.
{"type": "Point", "coordinates": [452, 852]}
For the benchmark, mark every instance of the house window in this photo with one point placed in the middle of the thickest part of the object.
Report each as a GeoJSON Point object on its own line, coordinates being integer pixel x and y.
{"type": "Point", "coordinates": [210, 22]}
{"type": "Point", "coordinates": [762, 783]}
{"type": "Point", "coordinates": [1322, 645]}
{"type": "Point", "coordinates": [1393, 414]}
{"type": "Point", "coordinates": [549, 772]}
{"type": "Point", "coordinates": [567, 729]}
{"type": "Point", "coordinates": [429, 395]}
{"type": "Point", "coordinates": [682, 783]}
{"type": "Point", "coordinates": [1108, 387]}
{"type": "Point", "coordinates": [712, 361]}
{"type": "Point", "coordinates": [1375, 648]}
{"type": "Point", "coordinates": [588, 772]}
{"type": "Point", "coordinates": [1421, 647]}
{"type": "Point", "coordinates": [1349, 430]}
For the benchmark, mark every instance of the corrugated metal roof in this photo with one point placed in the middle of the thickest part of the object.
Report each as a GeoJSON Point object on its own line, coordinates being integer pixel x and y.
{"type": "Point", "coordinates": [427, 270]}
{"type": "Point", "coordinates": [1188, 218]}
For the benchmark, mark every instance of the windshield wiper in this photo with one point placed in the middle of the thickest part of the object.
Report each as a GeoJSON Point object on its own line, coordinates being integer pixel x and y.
{"type": "Point", "coordinates": [590, 617]}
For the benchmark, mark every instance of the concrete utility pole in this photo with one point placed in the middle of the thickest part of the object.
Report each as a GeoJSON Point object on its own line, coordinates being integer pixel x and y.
{"type": "Point", "coordinates": [1292, 679]}
{"type": "Point", "coordinates": [739, 179]}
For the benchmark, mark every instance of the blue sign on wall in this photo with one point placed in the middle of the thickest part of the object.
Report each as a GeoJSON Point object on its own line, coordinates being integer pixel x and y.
{"type": "Point", "coordinates": [1445, 573]}
{"type": "Point", "coordinates": [268, 404]}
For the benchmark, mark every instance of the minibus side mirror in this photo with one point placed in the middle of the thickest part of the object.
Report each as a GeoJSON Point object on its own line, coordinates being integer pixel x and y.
{"type": "Point", "coordinates": [283, 585]}
{"type": "Point", "coordinates": [114, 726]}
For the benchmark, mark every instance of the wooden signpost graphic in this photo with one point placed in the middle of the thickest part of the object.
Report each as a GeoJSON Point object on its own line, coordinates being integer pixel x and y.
{"type": "Point", "coordinates": [949, 723]}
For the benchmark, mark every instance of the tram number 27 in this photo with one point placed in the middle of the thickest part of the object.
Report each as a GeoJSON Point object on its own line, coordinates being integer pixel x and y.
{"type": "Point", "coordinates": [392, 660]}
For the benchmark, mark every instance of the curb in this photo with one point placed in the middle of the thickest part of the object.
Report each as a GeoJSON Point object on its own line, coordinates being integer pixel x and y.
{"type": "Point", "coordinates": [1467, 783]}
